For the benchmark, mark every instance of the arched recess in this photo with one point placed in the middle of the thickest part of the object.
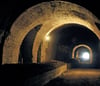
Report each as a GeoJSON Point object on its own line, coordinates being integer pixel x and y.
{"type": "Point", "coordinates": [25, 55]}
{"type": "Point", "coordinates": [83, 45]}
{"type": "Point", "coordinates": [52, 15]}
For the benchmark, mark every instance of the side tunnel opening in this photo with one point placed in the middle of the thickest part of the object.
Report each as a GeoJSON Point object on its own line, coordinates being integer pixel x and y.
{"type": "Point", "coordinates": [25, 55]}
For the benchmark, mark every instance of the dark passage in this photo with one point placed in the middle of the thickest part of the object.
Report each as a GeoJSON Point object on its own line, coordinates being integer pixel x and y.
{"type": "Point", "coordinates": [64, 39]}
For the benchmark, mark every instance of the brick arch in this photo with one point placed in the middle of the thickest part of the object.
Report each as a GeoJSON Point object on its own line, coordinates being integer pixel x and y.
{"type": "Point", "coordinates": [83, 45]}
{"type": "Point", "coordinates": [52, 15]}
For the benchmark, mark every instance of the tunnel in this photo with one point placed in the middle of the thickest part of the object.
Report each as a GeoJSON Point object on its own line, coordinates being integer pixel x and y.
{"type": "Point", "coordinates": [63, 40]}
{"type": "Point", "coordinates": [50, 31]}
{"type": "Point", "coordinates": [61, 43]}
{"type": "Point", "coordinates": [48, 41]}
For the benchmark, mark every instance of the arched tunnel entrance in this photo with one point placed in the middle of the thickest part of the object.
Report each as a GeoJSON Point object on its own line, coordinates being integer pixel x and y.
{"type": "Point", "coordinates": [62, 41]}
{"type": "Point", "coordinates": [26, 42]}
{"type": "Point", "coordinates": [83, 54]}
{"type": "Point", "coordinates": [53, 34]}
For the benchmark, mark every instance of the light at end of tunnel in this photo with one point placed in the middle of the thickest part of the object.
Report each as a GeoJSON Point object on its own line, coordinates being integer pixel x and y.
{"type": "Point", "coordinates": [47, 38]}
{"type": "Point", "coordinates": [85, 56]}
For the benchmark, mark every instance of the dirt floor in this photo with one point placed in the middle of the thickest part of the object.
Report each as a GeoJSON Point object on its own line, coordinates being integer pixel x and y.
{"type": "Point", "coordinates": [77, 77]}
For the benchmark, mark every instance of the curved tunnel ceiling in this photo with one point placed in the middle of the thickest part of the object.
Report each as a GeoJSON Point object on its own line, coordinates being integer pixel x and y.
{"type": "Point", "coordinates": [51, 15]}
{"type": "Point", "coordinates": [80, 32]}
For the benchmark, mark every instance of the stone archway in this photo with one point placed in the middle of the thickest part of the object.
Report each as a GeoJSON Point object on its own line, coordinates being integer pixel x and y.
{"type": "Point", "coordinates": [51, 15]}
{"type": "Point", "coordinates": [85, 46]}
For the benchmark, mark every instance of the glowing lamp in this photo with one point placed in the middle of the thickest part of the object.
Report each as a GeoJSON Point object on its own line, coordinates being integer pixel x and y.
{"type": "Point", "coordinates": [47, 38]}
{"type": "Point", "coordinates": [85, 56]}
